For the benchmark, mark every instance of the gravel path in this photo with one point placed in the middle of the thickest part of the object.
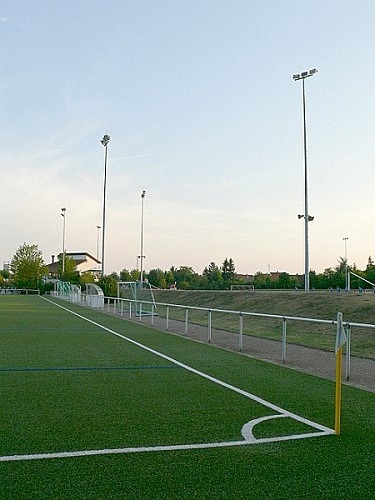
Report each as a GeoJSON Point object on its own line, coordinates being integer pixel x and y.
{"type": "Point", "coordinates": [313, 361]}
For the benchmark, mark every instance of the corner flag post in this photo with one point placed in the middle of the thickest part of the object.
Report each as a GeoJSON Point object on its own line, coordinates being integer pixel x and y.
{"type": "Point", "coordinates": [340, 341]}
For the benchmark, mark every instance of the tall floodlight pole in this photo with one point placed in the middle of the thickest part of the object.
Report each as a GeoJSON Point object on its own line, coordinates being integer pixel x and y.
{"type": "Point", "coordinates": [105, 142]}
{"type": "Point", "coordinates": [346, 266]}
{"type": "Point", "coordinates": [63, 214]}
{"type": "Point", "coordinates": [306, 216]}
{"type": "Point", "coordinates": [142, 256]}
{"type": "Point", "coordinates": [97, 241]}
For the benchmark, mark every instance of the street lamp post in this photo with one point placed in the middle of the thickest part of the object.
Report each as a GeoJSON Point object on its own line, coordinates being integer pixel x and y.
{"type": "Point", "coordinates": [63, 214]}
{"type": "Point", "coordinates": [142, 256]}
{"type": "Point", "coordinates": [105, 142]}
{"type": "Point", "coordinates": [347, 286]}
{"type": "Point", "coordinates": [306, 216]}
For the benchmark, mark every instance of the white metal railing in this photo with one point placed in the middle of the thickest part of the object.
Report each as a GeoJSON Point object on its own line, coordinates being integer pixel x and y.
{"type": "Point", "coordinates": [19, 291]}
{"type": "Point", "coordinates": [117, 306]}
{"type": "Point", "coordinates": [135, 307]}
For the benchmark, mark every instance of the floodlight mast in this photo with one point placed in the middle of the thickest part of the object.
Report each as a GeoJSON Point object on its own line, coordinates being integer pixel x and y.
{"type": "Point", "coordinates": [105, 142]}
{"type": "Point", "coordinates": [63, 214]}
{"type": "Point", "coordinates": [142, 256]}
{"type": "Point", "coordinates": [347, 282]}
{"type": "Point", "coordinates": [308, 218]}
{"type": "Point", "coordinates": [97, 241]}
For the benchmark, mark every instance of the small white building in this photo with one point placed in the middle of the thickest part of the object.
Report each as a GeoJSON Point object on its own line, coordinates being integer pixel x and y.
{"type": "Point", "coordinates": [84, 263]}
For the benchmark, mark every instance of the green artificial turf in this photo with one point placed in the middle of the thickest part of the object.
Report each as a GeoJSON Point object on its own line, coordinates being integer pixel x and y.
{"type": "Point", "coordinates": [65, 384]}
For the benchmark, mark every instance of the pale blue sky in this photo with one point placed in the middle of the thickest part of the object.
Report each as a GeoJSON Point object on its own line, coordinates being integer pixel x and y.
{"type": "Point", "coordinates": [203, 114]}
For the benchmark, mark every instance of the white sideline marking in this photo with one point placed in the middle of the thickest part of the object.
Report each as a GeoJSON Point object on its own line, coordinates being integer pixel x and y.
{"type": "Point", "coordinates": [246, 429]}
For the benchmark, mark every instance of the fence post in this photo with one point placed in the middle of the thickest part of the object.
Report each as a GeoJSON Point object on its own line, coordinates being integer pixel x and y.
{"type": "Point", "coordinates": [167, 318]}
{"type": "Point", "coordinates": [186, 320]}
{"type": "Point", "coordinates": [241, 332]}
{"type": "Point", "coordinates": [122, 308]}
{"type": "Point", "coordinates": [209, 326]}
{"type": "Point", "coordinates": [283, 343]}
{"type": "Point", "coordinates": [347, 352]}
{"type": "Point", "coordinates": [140, 311]}
{"type": "Point", "coordinates": [114, 306]}
{"type": "Point", "coordinates": [130, 309]}
{"type": "Point", "coordinates": [152, 314]}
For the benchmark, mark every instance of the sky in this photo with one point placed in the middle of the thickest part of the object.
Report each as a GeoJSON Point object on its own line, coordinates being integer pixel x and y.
{"type": "Point", "coordinates": [203, 114]}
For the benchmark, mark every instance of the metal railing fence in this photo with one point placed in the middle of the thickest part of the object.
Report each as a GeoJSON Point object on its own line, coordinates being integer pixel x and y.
{"type": "Point", "coordinates": [134, 310]}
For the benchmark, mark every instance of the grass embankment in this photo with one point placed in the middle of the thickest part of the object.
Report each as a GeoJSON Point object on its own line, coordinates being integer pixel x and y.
{"type": "Point", "coordinates": [357, 308]}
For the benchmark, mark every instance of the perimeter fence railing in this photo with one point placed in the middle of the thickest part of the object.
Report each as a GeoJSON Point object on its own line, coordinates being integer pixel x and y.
{"type": "Point", "coordinates": [239, 324]}
{"type": "Point", "coordinates": [19, 291]}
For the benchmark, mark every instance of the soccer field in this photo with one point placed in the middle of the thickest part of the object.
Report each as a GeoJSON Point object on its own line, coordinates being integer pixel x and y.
{"type": "Point", "coordinates": [93, 406]}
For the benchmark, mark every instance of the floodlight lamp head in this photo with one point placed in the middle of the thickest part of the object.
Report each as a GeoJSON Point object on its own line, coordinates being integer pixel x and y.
{"type": "Point", "coordinates": [310, 218]}
{"type": "Point", "coordinates": [105, 140]}
{"type": "Point", "coordinates": [296, 77]}
{"type": "Point", "coordinates": [300, 216]}
{"type": "Point", "coordinates": [143, 194]}
{"type": "Point", "coordinates": [313, 71]}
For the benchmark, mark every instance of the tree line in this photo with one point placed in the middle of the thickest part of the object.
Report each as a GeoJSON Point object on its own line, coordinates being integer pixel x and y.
{"type": "Point", "coordinates": [28, 270]}
{"type": "Point", "coordinates": [182, 278]}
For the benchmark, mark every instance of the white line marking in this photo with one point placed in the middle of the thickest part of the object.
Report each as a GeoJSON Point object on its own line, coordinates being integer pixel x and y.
{"type": "Point", "coordinates": [247, 429]}
{"type": "Point", "coordinates": [143, 449]}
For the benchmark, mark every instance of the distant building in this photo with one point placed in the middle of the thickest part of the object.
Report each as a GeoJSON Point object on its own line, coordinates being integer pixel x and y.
{"type": "Point", "coordinates": [84, 263]}
{"type": "Point", "coordinates": [247, 278]}
{"type": "Point", "coordinates": [272, 276]}
{"type": "Point", "coordinates": [275, 276]}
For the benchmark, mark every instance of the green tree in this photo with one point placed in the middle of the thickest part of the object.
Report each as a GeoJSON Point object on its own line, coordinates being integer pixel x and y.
{"type": "Point", "coordinates": [5, 274]}
{"type": "Point", "coordinates": [319, 281]}
{"type": "Point", "coordinates": [156, 277]}
{"type": "Point", "coordinates": [4, 277]}
{"type": "Point", "coordinates": [341, 265]}
{"type": "Point", "coordinates": [135, 275]}
{"type": "Point", "coordinates": [335, 277]}
{"type": "Point", "coordinates": [108, 283]}
{"type": "Point", "coordinates": [169, 278]}
{"type": "Point", "coordinates": [185, 277]}
{"type": "Point", "coordinates": [125, 275]}
{"type": "Point", "coordinates": [70, 273]}
{"type": "Point", "coordinates": [28, 267]}
{"type": "Point", "coordinates": [262, 280]}
{"type": "Point", "coordinates": [214, 276]}
{"type": "Point", "coordinates": [370, 262]}
{"type": "Point", "coordinates": [86, 278]}
{"type": "Point", "coordinates": [228, 271]}
{"type": "Point", "coordinates": [370, 270]}
{"type": "Point", "coordinates": [284, 281]}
